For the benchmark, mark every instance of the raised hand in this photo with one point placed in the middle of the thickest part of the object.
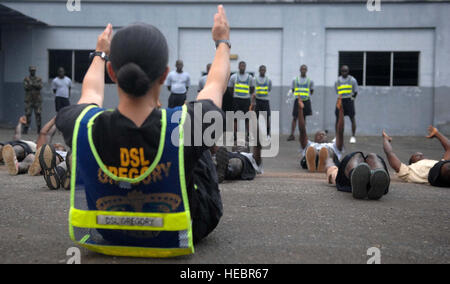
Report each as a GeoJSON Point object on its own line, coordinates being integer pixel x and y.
{"type": "Point", "coordinates": [387, 137]}
{"type": "Point", "coordinates": [221, 29]}
{"type": "Point", "coordinates": [104, 40]}
{"type": "Point", "coordinates": [432, 131]}
{"type": "Point", "coordinates": [23, 120]}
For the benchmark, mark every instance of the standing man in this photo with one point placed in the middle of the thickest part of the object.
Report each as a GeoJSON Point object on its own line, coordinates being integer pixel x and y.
{"type": "Point", "coordinates": [178, 83]}
{"type": "Point", "coordinates": [61, 87]}
{"type": "Point", "coordinates": [33, 100]}
{"type": "Point", "coordinates": [241, 85]}
{"type": "Point", "coordinates": [303, 89]}
{"type": "Point", "coordinates": [347, 87]}
{"type": "Point", "coordinates": [263, 87]}
{"type": "Point", "coordinates": [202, 81]}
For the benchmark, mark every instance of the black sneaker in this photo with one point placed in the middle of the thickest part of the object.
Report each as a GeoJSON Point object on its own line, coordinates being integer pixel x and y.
{"type": "Point", "coordinates": [360, 179]}
{"type": "Point", "coordinates": [379, 183]}
{"type": "Point", "coordinates": [222, 163]}
{"type": "Point", "coordinates": [47, 160]}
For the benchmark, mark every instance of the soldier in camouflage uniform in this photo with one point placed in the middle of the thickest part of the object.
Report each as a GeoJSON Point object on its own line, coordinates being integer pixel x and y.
{"type": "Point", "coordinates": [33, 100]}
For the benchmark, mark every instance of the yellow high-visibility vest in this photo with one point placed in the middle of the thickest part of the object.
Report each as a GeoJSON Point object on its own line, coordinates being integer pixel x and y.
{"type": "Point", "coordinates": [302, 90]}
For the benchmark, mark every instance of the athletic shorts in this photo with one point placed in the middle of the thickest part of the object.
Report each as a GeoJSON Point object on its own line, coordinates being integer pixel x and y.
{"type": "Point", "coordinates": [176, 100]}
{"type": "Point", "coordinates": [349, 108]}
{"type": "Point", "coordinates": [262, 105]}
{"type": "Point", "coordinates": [434, 177]}
{"type": "Point", "coordinates": [61, 102]}
{"type": "Point", "coordinates": [241, 104]}
{"type": "Point", "coordinates": [307, 110]}
{"type": "Point", "coordinates": [227, 101]}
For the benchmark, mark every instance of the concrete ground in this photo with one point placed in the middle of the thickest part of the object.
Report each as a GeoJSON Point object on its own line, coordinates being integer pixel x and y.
{"type": "Point", "coordinates": [284, 216]}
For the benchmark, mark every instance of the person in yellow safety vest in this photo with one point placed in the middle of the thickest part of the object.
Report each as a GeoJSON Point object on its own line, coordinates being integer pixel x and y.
{"type": "Point", "coordinates": [241, 86]}
{"type": "Point", "coordinates": [303, 89]}
{"type": "Point", "coordinates": [347, 87]}
{"type": "Point", "coordinates": [141, 191]}
{"type": "Point", "coordinates": [261, 97]}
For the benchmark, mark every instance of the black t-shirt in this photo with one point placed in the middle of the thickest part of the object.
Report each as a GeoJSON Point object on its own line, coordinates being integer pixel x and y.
{"type": "Point", "coordinates": [113, 131]}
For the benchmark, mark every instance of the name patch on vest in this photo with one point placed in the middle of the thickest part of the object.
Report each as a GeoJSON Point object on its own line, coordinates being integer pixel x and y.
{"type": "Point", "coordinates": [130, 221]}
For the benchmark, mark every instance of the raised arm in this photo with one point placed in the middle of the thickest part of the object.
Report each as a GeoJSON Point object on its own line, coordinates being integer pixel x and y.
{"type": "Point", "coordinates": [47, 133]}
{"type": "Point", "coordinates": [340, 125]}
{"type": "Point", "coordinates": [302, 125]}
{"type": "Point", "coordinates": [93, 90]}
{"type": "Point", "coordinates": [18, 130]}
{"type": "Point", "coordinates": [445, 142]}
{"type": "Point", "coordinates": [217, 82]}
{"type": "Point", "coordinates": [394, 161]}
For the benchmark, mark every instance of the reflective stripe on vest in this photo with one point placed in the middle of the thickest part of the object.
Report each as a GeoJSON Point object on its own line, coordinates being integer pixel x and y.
{"type": "Point", "coordinates": [242, 89]}
{"type": "Point", "coordinates": [262, 89]}
{"type": "Point", "coordinates": [302, 90]}
{"type": "Point", "coordinates": [140, 209]}
{"type": "Point", "coordinates": [345, 90]}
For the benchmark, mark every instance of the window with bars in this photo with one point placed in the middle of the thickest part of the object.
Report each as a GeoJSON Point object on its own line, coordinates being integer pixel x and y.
{"type": "Point", "coordinates": [75, 63]}
{"type": "Point", "coordinates": [382, 68]}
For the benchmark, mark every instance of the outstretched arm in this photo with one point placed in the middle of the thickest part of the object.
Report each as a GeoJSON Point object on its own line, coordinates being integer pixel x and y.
{"type": "Point", "coordinates": [46, 134]}
{"type": "Point", "coordinates": [18, 131]}
{"type": "Point", "coordinates": [217, 82]}
{"type": "Point", "coordinates": [340, 125]}
{"type": "Point", "coordinates": [434, 133]}
{"type": "Point", "coordinates": [93, 90]}
{"type": "Point", "coordinates": [394, 161]}
{"type": "Point", "coordinates": [302, 125]}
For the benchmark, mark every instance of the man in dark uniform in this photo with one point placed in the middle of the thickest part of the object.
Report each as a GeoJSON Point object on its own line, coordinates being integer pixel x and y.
{"type": "Point", "coordinates": [33, 100]}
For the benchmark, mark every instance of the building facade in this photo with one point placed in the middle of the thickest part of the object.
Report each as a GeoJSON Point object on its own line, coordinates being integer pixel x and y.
{"type": "Point", "coordinates": [399, 54]}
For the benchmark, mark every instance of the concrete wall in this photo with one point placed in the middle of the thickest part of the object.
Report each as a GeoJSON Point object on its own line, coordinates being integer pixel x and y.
{"type": "Point", "coordinates": [305, 39]}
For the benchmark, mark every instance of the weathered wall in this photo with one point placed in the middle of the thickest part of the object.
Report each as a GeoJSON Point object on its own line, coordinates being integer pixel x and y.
{"type": "Point", "coordinates": [403, 111]}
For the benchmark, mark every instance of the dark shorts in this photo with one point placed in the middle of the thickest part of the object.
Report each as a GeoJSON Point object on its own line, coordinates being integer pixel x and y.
{"type": "Point", "coordinates": [435, 178]}
{"type": "Point", "coordinates": [227, 101]}
{"type": "Point", "coordinates": [205, 201]}
{"type": "Point", "coordinates": [349, 108]}
{"type": "Point", "coordinates": [241, 105]}
{"type": "Point", "coordinates": [176, 100]}
{"type": "Point", "coordinates": [342, 182]}
{"type": "Point", "coordinates": [307, 110]}
{"type": "Point", "coordinates": [61, 103]}
{"type": "Point", "coordinates": [262, 105]}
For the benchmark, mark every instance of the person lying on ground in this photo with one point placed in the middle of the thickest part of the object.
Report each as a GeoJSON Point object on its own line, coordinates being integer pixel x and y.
{"type": "Point", "coordinates": [363, 176]}
{"type": "Point", "coordinates": [21, 156]}
{"type": "Point", "coordinates": [314, 154]}
{"type": "Point", "coordinates": [420, 169]}
{"type": "Point", "coordinates": [239, 164]}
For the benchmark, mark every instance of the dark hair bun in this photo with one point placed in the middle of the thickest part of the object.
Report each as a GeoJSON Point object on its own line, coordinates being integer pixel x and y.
{"type": "Point", "coordinates": [133, 80]}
